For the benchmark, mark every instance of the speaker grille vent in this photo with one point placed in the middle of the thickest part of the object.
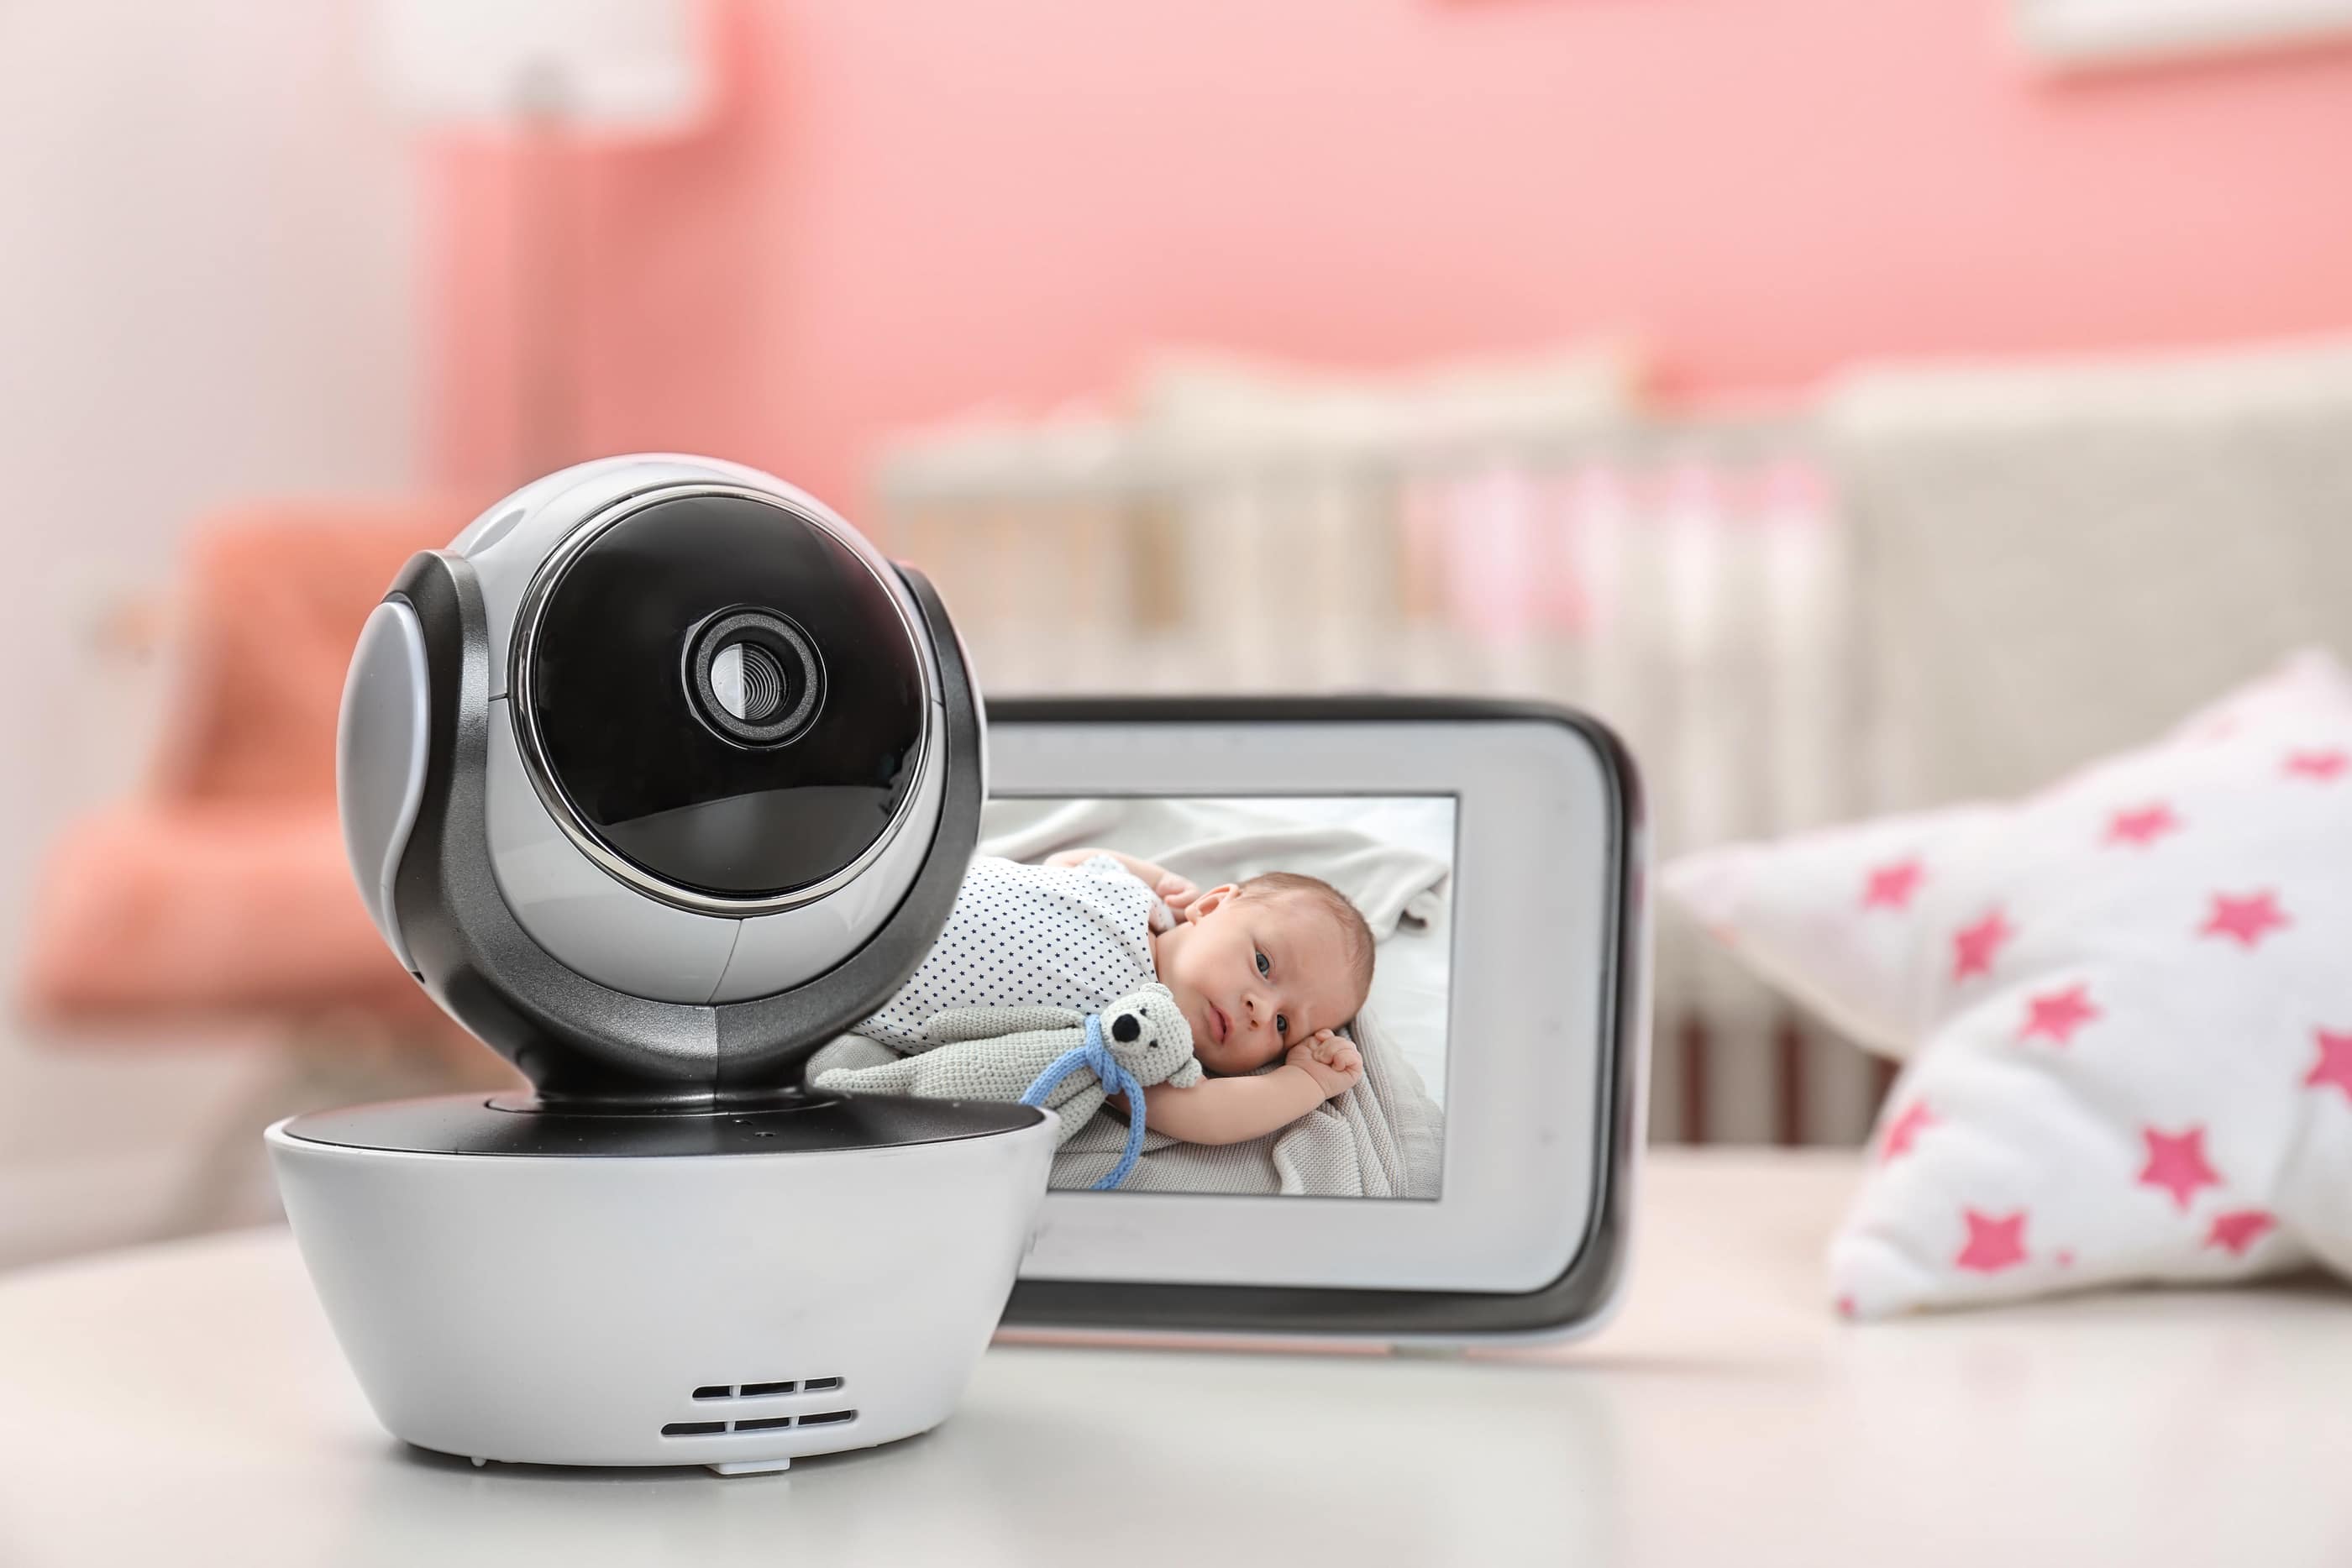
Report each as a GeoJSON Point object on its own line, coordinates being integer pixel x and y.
{"type": "Point", "coordinates": [715, 1392]}
{"type": "Point", "coordinates": [757, 1424]}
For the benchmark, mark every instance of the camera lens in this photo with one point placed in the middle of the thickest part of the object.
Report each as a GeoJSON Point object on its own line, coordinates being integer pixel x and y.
{"type": "Point", "coordinates": [754, 676]}
{"type": "Point", "coordinates": [719, 700]}
{"type": "Point", "coordinates": [750, 684]}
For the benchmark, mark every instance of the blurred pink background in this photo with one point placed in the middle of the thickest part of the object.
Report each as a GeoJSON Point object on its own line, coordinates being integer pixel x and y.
{"type": "Point", "coordinates": [1738, 319]}
{"type": "Point", "coordinates": [907, 208]}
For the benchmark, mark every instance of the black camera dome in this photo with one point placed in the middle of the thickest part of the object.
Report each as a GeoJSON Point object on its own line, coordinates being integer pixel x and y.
{"type": "Point", "coordinates": [658, 779]}
{"type": "Point", "coordinates": [719, 700]}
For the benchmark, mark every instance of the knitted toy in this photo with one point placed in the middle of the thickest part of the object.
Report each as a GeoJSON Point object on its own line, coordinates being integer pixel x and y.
{"type": "Point", "coordinates": [1067, 1062]}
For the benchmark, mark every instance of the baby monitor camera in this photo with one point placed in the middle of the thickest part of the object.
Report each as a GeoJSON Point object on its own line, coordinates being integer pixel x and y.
{"type": "Point", "coordinates": [657, 779]}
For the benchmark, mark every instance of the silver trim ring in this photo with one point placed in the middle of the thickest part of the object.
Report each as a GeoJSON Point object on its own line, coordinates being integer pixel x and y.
{"type": "Point", "coordinates": [549, 576]}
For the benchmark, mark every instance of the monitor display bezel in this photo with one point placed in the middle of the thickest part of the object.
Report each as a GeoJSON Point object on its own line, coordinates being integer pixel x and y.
{"type": "Point", "coordinates": [1481, 1263]}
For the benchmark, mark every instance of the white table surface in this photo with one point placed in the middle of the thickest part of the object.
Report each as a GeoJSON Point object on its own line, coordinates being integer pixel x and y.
{"type": "Point", "coordinates": [185, 1404]}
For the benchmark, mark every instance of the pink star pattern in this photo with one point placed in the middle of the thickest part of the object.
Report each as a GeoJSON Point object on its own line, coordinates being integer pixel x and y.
{"type": "Point", "coordinates": [2142, 827]}
{"type": "Point", "coordinates": [1891, 886]}
{"type": "Point", "coordinates": [2175, 1162]}
{"type": "Point", "coordinates": [2239, 1230]}
{"type": "Point", "coordinates": [1995, 1241]}
{"type": "Point", "coordinates": [2247, 920]}
{"type": "Point", "coordinates": [2334, 1063]}
{"type": "Point", "coordinates": [1973, 946]}
{"type": "Point", "coordinates": [1916, 1119]}
{"type": "Point", "coordinates": [2056, 1015]}
{"type": "Point", "coordinates": [2068, 926]}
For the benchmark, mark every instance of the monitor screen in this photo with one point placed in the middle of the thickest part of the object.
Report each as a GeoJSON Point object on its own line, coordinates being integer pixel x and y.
{"type": "Point", "coordinates": [1305, 943]}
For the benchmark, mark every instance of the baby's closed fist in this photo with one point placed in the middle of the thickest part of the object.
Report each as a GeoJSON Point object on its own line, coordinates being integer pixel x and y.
{"type": "Point", "coordinates": [1334, 1063]}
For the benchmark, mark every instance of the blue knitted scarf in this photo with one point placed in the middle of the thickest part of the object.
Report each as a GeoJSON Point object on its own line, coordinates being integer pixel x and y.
{"type": "Point", "coordinates": [1113, 1075]}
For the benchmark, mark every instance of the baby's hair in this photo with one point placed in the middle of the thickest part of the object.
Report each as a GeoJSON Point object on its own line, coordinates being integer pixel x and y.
{"type": "Point", "coordinates": [1355, 934]}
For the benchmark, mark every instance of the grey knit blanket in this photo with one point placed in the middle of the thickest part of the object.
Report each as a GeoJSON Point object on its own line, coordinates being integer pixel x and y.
{"type": "Point", "coordinates": [1382, 1139]}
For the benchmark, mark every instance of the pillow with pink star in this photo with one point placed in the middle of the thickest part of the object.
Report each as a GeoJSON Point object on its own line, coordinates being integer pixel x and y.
{"type": "Point", "coordinates": [2124, 1005]}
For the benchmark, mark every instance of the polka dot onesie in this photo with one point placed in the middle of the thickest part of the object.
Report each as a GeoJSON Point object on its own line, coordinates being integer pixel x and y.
{"type": "Point", "coordinates": [1030, 935]}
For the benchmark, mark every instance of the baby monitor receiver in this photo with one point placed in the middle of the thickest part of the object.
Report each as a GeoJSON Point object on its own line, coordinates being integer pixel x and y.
{"type": "Point", "coordinates": [1472, 1182]}
{"type": "Point", "coordinates": [657, 779]}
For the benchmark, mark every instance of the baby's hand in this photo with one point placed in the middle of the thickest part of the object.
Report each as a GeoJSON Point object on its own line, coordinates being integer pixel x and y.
{"type": "Point", "coordinates": [1177, 892]}
{"type": "Point", "coordinates": [1334, 1063]}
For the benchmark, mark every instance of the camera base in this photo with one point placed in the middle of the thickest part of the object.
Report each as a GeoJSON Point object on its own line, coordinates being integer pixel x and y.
{"type": "Point", "coordinates": [731, 1289]}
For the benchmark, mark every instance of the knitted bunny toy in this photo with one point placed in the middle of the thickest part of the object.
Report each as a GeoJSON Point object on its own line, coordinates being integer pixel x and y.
{"type": "Point", "coordinates": [1051, 1057]}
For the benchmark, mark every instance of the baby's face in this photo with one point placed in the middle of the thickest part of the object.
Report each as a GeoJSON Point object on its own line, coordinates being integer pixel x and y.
{"type": "Point", "coordinates": [1255, 975]}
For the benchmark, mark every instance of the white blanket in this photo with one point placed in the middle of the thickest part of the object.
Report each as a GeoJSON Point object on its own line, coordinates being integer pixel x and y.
{"type": "Point", "coordinates": [1223, 841]}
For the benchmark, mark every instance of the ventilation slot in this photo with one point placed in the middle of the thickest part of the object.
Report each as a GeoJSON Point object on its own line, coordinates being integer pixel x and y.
{"type": "Point", "coordinates": [710, 1392]}
{"type": "Point", "coordinates": [761, 1390]}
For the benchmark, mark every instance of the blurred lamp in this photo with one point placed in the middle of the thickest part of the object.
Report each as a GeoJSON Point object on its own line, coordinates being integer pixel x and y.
{"type": "Point", "coordinates": [628, 69]}
{"type": "Point", "coordinates": [550, 76]}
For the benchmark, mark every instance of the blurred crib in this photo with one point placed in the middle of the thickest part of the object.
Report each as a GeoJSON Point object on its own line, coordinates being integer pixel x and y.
{"type": "Point", "coordinates": [1685, 579]}
{"type": "Point", "coordinates": [2017, 567]}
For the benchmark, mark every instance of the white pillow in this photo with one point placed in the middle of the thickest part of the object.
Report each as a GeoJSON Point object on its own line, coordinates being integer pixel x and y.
{"type": "Point", "coordinates": [2125, 1006]}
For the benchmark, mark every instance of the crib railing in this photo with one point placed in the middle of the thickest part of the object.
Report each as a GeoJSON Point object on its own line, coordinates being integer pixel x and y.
{"type": "Point", "coordinates": [1686, 580]}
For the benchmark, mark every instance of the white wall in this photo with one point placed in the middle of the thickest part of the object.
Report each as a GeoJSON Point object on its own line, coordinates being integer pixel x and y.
{"type": "Point", "coordinates": [206, 249]}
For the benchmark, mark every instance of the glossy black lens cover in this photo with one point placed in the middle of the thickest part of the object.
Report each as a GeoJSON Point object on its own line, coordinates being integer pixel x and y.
{"type": "Point", "coordinates": [613, 706]}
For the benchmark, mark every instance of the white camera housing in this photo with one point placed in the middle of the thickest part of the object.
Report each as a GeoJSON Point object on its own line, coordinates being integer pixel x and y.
{"type": "Point", "coordinates": [656, 779]}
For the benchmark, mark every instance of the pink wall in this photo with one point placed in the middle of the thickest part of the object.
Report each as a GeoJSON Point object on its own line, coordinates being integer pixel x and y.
{"type": "Point", "coordinates": [912, 206]}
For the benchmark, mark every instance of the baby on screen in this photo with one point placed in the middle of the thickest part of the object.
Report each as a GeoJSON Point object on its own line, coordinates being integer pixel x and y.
{"type": "Point", "coordinates": [1265, 970]}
